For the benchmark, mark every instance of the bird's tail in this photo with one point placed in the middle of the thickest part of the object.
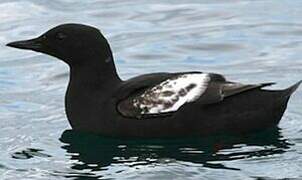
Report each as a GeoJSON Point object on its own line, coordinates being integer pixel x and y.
{"type": "Point", "coordinates": [289, 91]}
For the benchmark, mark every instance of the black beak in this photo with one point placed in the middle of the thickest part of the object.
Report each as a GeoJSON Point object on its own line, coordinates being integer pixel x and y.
{"type": "Point", "coordinates": [32, 44]}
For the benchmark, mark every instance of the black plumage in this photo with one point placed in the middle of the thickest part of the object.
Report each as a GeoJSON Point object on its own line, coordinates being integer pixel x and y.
{"type": "Point", "coordinates": [98, 101]}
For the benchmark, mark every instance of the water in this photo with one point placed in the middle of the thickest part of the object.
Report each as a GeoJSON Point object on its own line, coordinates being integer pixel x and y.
{"type": "Point", "coordinates": [250, 41]}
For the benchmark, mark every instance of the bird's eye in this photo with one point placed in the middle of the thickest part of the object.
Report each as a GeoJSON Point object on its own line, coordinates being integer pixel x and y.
{"type": "Point", "coordinates": [60, 36]}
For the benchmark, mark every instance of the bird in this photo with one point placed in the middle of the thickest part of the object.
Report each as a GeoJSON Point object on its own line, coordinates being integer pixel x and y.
{"type": "Point", "coordinates": [154, 105]}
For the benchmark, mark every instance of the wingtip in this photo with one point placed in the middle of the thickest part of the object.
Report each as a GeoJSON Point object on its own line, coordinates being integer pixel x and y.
{"type": "Point", "coordinates": [267, 84]}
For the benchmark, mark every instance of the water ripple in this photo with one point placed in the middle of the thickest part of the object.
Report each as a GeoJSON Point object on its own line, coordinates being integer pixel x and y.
{"type": "Point", "coordinates": [248, 41]}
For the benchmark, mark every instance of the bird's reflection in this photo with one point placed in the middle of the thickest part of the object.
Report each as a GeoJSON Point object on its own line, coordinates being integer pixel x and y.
{"type": "Point", "coordinates": [95, 153]}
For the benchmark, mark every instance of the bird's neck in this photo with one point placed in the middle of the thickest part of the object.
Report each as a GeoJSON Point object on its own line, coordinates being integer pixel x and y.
{"type": "Point", "coordinates": [101, 73]}
{"type": "Point", "coordinates": [88, 85]}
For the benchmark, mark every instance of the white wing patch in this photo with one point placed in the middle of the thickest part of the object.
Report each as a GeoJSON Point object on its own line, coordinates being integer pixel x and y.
{"type": "Point", "coordinates": [171, 94]}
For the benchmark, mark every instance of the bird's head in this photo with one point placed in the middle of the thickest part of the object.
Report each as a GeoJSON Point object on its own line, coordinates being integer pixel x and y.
{"type": "Point", "coordinates": [75, 44]}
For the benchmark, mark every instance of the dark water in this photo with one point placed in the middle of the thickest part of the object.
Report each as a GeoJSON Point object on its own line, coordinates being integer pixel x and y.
{"type": "Point", "coordinates": [250, 41]}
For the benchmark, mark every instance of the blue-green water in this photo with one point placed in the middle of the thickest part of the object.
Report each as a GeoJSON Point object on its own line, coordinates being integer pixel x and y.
{"type": "Point", "coordinates": [248, 41]}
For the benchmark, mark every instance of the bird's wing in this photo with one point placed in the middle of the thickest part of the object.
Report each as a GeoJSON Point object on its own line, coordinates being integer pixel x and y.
{"type": "Point", "coordinates": [138, 84]}
{"type": "Point", "coordinates": [164, 93]}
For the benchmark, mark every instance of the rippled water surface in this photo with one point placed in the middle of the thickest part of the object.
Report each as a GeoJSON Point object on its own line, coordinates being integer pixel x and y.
{"type": "Point", "coordinates": [250, 41]}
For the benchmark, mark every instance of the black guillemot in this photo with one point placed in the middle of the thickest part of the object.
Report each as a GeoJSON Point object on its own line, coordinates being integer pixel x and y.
{"type": "Point", "coordinates": [152, 105]}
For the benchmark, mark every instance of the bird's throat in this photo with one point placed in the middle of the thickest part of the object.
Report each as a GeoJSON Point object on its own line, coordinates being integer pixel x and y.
{"type": "Point", "coordinates": [102, 73]}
